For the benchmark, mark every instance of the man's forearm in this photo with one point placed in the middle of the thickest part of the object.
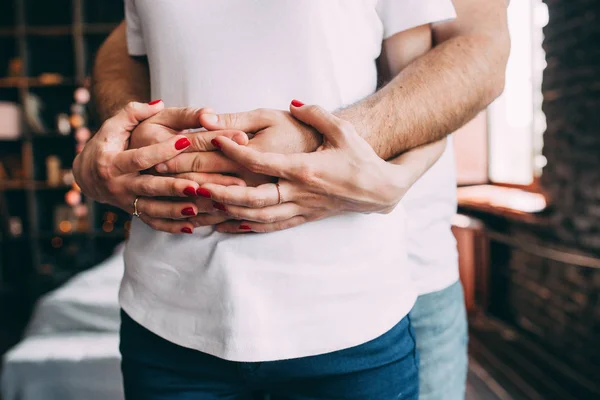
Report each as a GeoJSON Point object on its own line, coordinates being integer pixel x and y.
{"type": "Point", "coordinates": [117, 77]}
{"type": "Point", "coordinates": [442, 90]}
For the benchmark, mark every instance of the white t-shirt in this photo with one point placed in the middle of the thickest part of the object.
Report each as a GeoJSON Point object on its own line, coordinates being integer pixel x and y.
{"type": "Point", "coordinates": [313, 289]}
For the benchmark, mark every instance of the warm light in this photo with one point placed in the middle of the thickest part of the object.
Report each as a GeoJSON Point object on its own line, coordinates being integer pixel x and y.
{"type": "Point", "coordinates": [108, 227]}
{"type": "Point", "coordinates": [83, 134]}
{"type": "Point", "coordinates": [65, 226]}
{"type": "Point", "coordinates": [127, 225]}
{"type": "Point", "coordinates": [110, 217]}
{"type": "Point", "coordinates": [80, 211]}
{"type": "Point", "coordinates": [56, 242]}
{"type": "Point", "coordinates": [73, 198]}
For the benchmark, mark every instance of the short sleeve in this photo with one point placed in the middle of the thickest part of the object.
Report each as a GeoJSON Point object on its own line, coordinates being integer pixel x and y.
{"type": "Point", "coordinates": [135, 37]}
{"type": "Point", "coordinates": [401, 15]}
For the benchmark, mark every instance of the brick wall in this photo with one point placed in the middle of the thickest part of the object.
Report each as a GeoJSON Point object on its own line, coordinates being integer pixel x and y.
{"type": "Point", "coordinates": [559, 303]}
{"type": "Point", "coordinates": [571, 89]}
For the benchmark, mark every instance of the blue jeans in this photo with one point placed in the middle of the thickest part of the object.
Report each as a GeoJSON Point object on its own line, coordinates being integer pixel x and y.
{"type": "Point", "coordinates": [440, 323]}
{"type": "Point", "coordinates": [155, 369]}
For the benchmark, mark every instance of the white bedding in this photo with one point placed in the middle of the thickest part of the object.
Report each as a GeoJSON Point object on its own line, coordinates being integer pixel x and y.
{"type": "Point", "coordinates": [70, 350]}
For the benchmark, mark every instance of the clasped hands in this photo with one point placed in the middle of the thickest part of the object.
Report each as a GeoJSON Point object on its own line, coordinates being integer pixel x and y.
{"type": "Point", "coordinates": [226, 175]}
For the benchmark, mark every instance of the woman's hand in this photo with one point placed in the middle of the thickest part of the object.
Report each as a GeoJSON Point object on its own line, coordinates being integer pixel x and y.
{"type": "Point", "coordinates": [343, 175]}
{"type": "Point", "coordinates": [109, 173]}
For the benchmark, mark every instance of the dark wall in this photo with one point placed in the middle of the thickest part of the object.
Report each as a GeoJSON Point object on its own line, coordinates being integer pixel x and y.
{"type": "Point", "coordinates": [571, 89]}
{"type": "Point", "coordinates": [557, 303]}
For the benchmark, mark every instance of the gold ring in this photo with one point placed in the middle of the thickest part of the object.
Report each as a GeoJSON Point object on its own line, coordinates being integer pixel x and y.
{"type": "Point", "coordinates": [135, 209]}
{"type": "Point", "coordinates": [279, 199]}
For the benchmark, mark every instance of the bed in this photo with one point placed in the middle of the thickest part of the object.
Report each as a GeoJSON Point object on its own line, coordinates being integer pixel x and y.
{"type": "Point", "coordinates": [70, 348]}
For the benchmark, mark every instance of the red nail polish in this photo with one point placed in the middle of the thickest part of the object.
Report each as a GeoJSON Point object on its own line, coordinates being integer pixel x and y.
{"type": "Point", "coordinates": [186, 230]}
{"type": "Point", "coordinates": [216, 143]}
{"type": "Point", "coordinates": [297, 103]}
{"type": "Point", "coordinates": [245, 227]}
{"type": "Point", "coordinates": [219, 206]}
{"type": "Point", "coordinates": [189, 211]}
{"type": "Point", "coordinates": [153, 102]}
{"type": "Point", "coordinates": [203, 192]}
{"type": "Point", "coordinates": [182, 144]}
{"type": "Point", "coordinates": [190, 191]}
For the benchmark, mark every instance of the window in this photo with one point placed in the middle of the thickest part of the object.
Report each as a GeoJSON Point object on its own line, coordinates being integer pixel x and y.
{"type": "Point", "coordinates": [516, 122]}
{"type": "Point", "coordinates": [504, 144]}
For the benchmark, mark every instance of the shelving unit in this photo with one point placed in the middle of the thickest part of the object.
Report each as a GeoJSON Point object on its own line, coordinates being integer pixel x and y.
{"type": "Point", "coordinates": [54, 43]}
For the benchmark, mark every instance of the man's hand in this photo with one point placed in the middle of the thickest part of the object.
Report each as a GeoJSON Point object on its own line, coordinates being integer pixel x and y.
{"type": "Point", "coordinates": [109, 173]}
{"type": "Point", "coordinates": [344, 175]}
{"type": "Point", "coordinates": [274, 131]}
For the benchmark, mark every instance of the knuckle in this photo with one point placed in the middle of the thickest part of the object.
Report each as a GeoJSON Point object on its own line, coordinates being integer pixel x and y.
{"type": "Point", "coordinates": [266, 217]}
{"type": "Point", "coordinates": [230, 119]}
{"type": "Point", "coordinates": [307, 174]}
{"type": "Point", "coordinates": [112, 188]}
{"type": "Point", "coordinates": [138, 160]}
{"type": "Point", "coordinates": [256, 201]}
{"type": "Point", "coordinates": [145, 188]}
{"type": "Point", "coordinates": [174, 213]}
{"type": "Point", "coordinates": [197, 163]}
{"type": "Point", "coordinates": [130, 109]}
{"type": "Point", "coordinates": [104, 171]}
{"type": "Point", "coordinates": [198, 141]}
{"type": "Point", "coordinates": [313, 109]}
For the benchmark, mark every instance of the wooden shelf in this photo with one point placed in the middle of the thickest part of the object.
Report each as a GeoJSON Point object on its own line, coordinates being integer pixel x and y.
{"type": "Point", "coordinates": [31, 82]}
{"type": "Point", "coordinates": [55, 49]}
{"type": "Point", "coordinates": [30, 185]}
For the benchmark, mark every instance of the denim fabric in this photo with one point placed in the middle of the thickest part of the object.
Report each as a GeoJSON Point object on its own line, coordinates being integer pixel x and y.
{"type": "Point", "coordinates": [155, 369]}
{"type": "Point", "coordinates": [440, 323]}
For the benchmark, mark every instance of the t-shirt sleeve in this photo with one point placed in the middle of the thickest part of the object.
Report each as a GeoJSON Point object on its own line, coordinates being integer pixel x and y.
{"type": "Point", "coordinates": [135, 37]}
{"type": "Point", "coordinates": [401, 15]}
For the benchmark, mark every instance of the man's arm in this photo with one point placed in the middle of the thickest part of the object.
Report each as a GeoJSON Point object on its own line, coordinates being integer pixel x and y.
{"type": "Point", "coordinates": [442, 90]}
{"type": "Point", "coordinates": [118, 78]}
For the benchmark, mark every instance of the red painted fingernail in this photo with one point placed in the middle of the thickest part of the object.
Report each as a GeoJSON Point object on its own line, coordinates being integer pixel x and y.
{"type": "Point", "coordinates": [216, 143]}
{"type": "Point", "coordinates": [245, 227]}
{"type": "Point", "coordinates": [189, 211]}
{"type": "Point", "coordinates": [182, 144]}
{"type": "Point", "coordinates": [297, 103]}
{"type": "Point", "coordinates": [153, 102]}
{"type": "Point", "coordinates": [190, 191]}
{"type": "Point", "coordinates": [186, 230]}
{"type": "Point", "coordinates": [203, 192]}
{"type": "Point", "coordinates": [219, 206]}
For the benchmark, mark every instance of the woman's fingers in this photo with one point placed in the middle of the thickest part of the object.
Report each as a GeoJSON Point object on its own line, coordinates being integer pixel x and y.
{"type": "Point", "coordinates": [161, 186]}
{"type": "Point", "coordinates": [219, 179]}
{"type": "Point", "coordinates": [247, 226]}
{"type": "Point", "coordinates": [205, 219]}
{"type": "Point", "coordinates": [143, 158]}
{"type": "Point", "coordinates": [166, 209]}
{"type": "Point", "coordinates": [199, 162]}
{"type": "Point", "coordinates": [287, 166]}
{"type": "Point", "coordinates": [332, 127]}
{"type": "Point", "coordinates": [254, 197]}
{"type": "Point", "coordinates": [202, 141]}
{"type": "Point", "coordinates": [169, 226]}
{"type": "Point", "coordinates": [128, 118]}
{"type": "Point", "coordinates": [250, 121]}
{"type": "Point", "coordinates": [266, 215]}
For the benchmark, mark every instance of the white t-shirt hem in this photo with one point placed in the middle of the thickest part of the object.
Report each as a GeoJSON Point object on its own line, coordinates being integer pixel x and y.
{"type": "Point", "coordinates": [363, 330]}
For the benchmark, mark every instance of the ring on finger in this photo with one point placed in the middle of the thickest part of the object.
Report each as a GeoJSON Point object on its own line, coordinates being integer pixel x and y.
{"type": "Point", "coordinates": [279, 198]}
{"type": "Point", "coordinates": [136, 212]}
